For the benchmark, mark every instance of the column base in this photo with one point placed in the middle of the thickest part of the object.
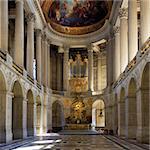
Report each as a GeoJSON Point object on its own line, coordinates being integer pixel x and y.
{"type": "Point", "coordinates": [143, 135]}
{"type": "Point", "coordinates": [121, 132]}
{"type": "Point", "coordinates": [8, 136]}
{"type": "Point", "coordinates": [30, 132]}
{"type": "Point", "coordinates": [18, 134]}
{"type": "Point", "coordinates": [131, 132]}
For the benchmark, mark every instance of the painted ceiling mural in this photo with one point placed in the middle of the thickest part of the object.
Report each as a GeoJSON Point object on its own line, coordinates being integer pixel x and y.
{"type": "Point", "coordinates": [73, 15]}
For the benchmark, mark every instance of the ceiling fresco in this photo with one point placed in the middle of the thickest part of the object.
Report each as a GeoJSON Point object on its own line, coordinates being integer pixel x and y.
{"type": "Point", "coordinates": [73, 16]}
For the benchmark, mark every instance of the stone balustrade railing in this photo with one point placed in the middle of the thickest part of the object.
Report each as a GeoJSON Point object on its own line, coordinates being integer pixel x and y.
{"type": "Point", "coordinates": [145, 48]}
{"type": "Point", "coordinates": [18, 69]}
{"type": "Point", "coordinates": [2, 55]}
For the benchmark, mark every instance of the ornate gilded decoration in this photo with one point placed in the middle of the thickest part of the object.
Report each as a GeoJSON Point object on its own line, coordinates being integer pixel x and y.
{"type": "Point", "coordinates": [78, 74]}
{"type": "Point", "coordinates": [78, 85]}
{"type": "Point", "coordinates": [78, 112]}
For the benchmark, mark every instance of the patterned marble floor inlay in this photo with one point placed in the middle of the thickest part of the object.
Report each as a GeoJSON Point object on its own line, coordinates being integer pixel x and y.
{"type": "Point", "coordinates": [53, 141]}
{"type": "Point", "coordinates": [71, 142]}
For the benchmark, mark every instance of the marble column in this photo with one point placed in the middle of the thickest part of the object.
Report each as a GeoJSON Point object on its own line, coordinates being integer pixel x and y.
{"type": "Point", "coordinates": [145, 20]}
{"type": "Point", "coordinates": [86, 67]}
{"type": "Point", "coordinates": [48, 64]}
{"type": "Point", "coordinates": [66, 69]}
{"type": "Point", "coordinates": [30, 43]}
{"type": "Point", "coordinates": [38, 55]}
{"type": "Point", "coordinates": [132, 29]}
{"type": "Point", "coordinates": [99, 72]}
{"type": "Point", "coordinates": [123, 39]}
{"type": "Point", "coordinates": [59, 72]}
{"type": "Point", "coordinates": [45, 61]}
{"type": "Point", "coordinates": [4, 25]}
{"type": "Point", "coordinates": [19, 34]}
{"type": "Point", "coordinates": [42, 58]}
{"type": "Point", "coordinates": [109, 60]}
{"type": "Point", "coordinates": [90, 69]}
{"type": "Point", "coordinates": [117, 53]}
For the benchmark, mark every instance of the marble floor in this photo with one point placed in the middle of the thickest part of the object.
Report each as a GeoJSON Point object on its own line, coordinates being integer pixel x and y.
{"type": "Point", "coordinates": [65, 141]}
{"type": "Point", "coordinates": [72, 142]}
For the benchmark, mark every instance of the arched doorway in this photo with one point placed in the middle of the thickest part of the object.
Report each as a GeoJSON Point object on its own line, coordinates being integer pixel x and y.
{"type": "Point", "coordinates": [17, 111]}
{"type": "Point", "coordinates": [131, 123]}
{"type": "Point", "coordinates": [38, 115]}
{"type": "Point", "coordinates": [121, 113]}
{"type": "Point", "coordinates": [2, 108]}
{"type": "Point", "coordinates": [30, 113]}
{"type": "Point", "coordinates": [145, 104]}
{"type": "Point", "coordinates": [58, 120]}
{"type": "Point", "coordinates": [98, 114]}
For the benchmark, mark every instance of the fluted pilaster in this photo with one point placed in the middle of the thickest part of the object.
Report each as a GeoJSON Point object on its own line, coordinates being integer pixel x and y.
{"type": "Point", "coordinates": [132, 29]}
{"type": "Point", "coordinates": [66, 69]}
{"type": "Point", "coordinates": [30, 43]}
{"type": "Point", "coordinates": [145, 20]}
{"type": "Point", "coordinates": [38, 54]}
{"type": "Point", "coordinates": [123, 13]}
{"type": "Point", "coordinates": [4, 25]}
{"type": "Point", "coordinates": [117, 52]}
{"type": "Point", "coordinates": [90, 68]}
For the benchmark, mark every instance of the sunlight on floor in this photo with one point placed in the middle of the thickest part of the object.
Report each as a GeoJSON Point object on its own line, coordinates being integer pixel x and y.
{"type": "Point", "coordinates": [48, 134]}
{"type": "Point", "coordinates": [48, 146]}
{"type": "Point", "coordinates": [44, 142]}
{"type": "Point", "coordinates": [34, 147]}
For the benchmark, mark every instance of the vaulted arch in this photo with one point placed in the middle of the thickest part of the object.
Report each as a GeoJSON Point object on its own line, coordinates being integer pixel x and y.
{"type": "Point", "coordinates": [58, 120]}
{"type": "Point", "coordinates": [17, 111]}
{"type": "Point", "coordinates": [131, 114]}
{"type": "Point", "coordinates": [2, 107]}
{"type": "Point", "coordinates": [98, 113]}
{"type": "Point", "coordinates": [30, 113]}
{"type": "Point", "coordinates": [145, 104]}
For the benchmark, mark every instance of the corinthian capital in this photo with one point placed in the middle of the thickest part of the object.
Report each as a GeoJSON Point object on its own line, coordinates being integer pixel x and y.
{"type": "Point", "coordinates": [123, 12]}
{"type": "Point", "coordinates": [116, 29]}
{"type": "Point", "coordinates": [30, 17]}
{"type": "Point", "coordinates": [38, 32]}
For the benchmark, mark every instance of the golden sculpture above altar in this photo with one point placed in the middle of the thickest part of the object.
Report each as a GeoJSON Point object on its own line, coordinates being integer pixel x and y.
{"type": "Point", "coordinates": [78, 85]}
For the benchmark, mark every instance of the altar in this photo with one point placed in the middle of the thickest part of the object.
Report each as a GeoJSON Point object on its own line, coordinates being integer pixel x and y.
{"type": "Point", "coordinates": [77, 127]}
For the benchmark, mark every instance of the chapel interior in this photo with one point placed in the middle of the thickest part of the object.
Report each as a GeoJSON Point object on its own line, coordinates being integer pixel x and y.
{"type": "Point", "coordinates": [75, 70]}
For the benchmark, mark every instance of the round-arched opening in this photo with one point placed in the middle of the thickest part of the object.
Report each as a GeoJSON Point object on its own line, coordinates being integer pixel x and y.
{"type": "Point", "coordinates": [58, 120]}
{"type": "Point", "coordinates": [145, 103]}
{"type": "Point", "coordinates": [132, 110]}
{"type": "Point", "coordinates": [38, 115]}
{"type": "Point", "coordinates": [17, 111]}
{"type": "Point", "coordinates": [121, 112]}
{"type": "Point", "coordinates": [2, 107]}
{"type": "Point", "coordinates": [98, 114]}
{"type": "Point", "coordinates": [30, 113]}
